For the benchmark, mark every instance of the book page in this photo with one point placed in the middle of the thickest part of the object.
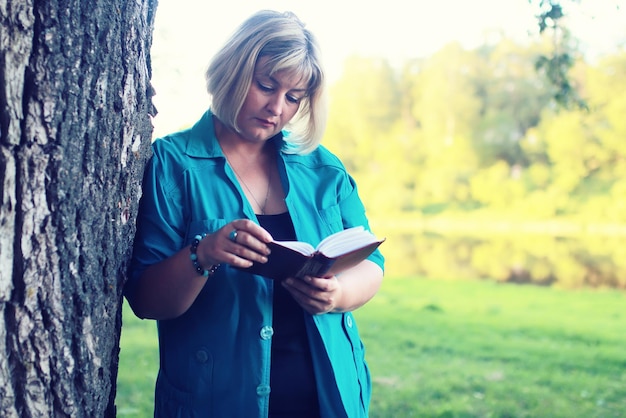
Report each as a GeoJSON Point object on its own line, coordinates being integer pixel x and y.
{"type": "Point", "coordinates": [295, 259]}
{"type": "Point", "coordinates": [345, 241]}
{"type": "Point", "coordinates": [335, 244]}
{"type": "Point", "coordinates": [299, 246]}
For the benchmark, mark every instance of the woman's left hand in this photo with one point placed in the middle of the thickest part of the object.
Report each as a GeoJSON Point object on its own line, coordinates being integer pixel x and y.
{"type": "Point", "coordinates": [316, 295]}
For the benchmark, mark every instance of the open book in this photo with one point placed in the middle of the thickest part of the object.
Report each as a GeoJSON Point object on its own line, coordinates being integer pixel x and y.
{"type": "Point", "coordinates": [335, 253]}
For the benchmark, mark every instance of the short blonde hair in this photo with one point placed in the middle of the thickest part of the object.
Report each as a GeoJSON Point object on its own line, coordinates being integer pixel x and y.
{"type": "Point", "coordinates": [290, 47]}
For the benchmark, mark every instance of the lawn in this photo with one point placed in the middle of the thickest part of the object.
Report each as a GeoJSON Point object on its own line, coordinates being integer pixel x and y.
{"type": "Point", "coordinates": [462, 349]}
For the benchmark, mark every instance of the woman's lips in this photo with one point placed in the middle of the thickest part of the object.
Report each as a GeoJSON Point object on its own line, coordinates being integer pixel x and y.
{"type": "Point", "coordinates": [266, 123]}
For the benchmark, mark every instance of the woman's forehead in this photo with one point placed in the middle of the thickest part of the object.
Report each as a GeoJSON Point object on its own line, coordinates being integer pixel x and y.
{"type": "Point", "coordinates": [293, 77]}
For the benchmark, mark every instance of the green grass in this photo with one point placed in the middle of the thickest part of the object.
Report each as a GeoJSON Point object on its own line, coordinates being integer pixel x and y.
{"type": "Point", "coordinates": [462, 349]}
{"type": "Point", "coordinates": [139, 363]}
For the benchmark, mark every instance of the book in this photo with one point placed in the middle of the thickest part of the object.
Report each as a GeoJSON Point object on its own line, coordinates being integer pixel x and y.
{"type": "Point", "coordinates": [334, 254]}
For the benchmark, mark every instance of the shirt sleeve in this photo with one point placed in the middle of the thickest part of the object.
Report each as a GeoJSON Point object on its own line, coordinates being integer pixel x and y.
{"type": "Point", "coordinates": [353, 214]}
{"type": "Point", "coordinates": [160, 220]}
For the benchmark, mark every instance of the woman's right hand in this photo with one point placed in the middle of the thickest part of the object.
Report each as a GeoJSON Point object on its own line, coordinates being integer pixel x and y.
{"type": "Point", "coordinates": [237, 243]}
{"type": "Point", "coordinates": [161, 294]}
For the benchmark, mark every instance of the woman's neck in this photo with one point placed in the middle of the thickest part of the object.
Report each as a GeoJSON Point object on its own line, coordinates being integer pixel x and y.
{"type": "Point", "coordinates": [254, 165]}
{"type": "Point", "coordinates": [232, 142]}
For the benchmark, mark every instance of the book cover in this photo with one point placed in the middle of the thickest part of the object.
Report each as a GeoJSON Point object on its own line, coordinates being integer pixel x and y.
{"type": "Point", "coordinates": [336, 253]}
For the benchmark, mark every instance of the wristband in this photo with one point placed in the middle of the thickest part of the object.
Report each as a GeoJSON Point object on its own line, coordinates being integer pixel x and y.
{"type": "Point", "coordinates": [194, 258]}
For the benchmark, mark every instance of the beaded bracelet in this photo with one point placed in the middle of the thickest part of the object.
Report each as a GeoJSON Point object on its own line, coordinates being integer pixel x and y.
{"type": "Point", "coordinates": [194, 258]}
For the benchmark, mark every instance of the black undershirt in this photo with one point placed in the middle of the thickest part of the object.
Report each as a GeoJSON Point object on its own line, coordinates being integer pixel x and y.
{"type": "Point", "coordinates": [292, 379]}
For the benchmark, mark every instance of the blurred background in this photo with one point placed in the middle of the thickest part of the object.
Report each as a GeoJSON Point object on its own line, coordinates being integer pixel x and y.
{"type": "Point", "coordinates": [489, 146]}
{"type": "Point", "coordinates": [463, 156]}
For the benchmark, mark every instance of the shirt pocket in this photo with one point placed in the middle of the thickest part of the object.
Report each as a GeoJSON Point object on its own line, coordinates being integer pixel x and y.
{"type": "Point", "coordinates": [331, 219]}
{"type": "Point", "coordinates": [205, 226]}
{"type": "Point", "coordinates": [185, 390]}
{"type": "Point", "coordinates": [171, 402]}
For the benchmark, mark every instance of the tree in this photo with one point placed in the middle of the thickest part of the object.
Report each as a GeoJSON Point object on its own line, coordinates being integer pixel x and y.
{"type": "Point", "coordinates": [551, 19]}
{"type": "Point", "coordinates": [75, 100]}
{"type": "Point", "coordinates": [512, 98]}
{"type": "Point", "coordinates": [445, 107]}
{"type": "Point", "coordinates": [365, 104]}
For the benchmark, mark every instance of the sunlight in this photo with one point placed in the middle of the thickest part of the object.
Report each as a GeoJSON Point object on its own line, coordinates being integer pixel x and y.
{"type": "Point", "coordinates": [188, 32]}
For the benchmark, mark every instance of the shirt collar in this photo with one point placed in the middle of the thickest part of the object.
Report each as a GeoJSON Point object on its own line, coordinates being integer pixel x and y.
{"type": "Point", "coordinates": [202, 140]}
{"type": "Point", "coordinates": [204, 144]}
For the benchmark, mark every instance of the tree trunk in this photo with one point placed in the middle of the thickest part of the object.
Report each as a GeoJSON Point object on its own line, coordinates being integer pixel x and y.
{"type": "Point", "coordinates": [75, 99]}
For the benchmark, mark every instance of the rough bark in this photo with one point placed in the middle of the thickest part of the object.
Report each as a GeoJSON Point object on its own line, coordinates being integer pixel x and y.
{"type": "Point", "coordinates": [75, 100]}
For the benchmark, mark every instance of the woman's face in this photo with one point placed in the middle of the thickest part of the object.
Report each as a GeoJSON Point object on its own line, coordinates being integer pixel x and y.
{"type": "Point", "coordinates": [272, 101]}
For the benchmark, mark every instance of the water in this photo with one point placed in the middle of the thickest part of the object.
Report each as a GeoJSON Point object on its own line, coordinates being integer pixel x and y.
{"type": "Point", "coordinates": [586, 261]}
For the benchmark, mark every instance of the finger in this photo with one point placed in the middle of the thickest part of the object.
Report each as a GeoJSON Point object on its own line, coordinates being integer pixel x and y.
{"type": "Point", "coordinates": [302, 291]}
{"type": "Point", "coordinates": [244, 239]}
{"type": "Point", "coordinates": [218, 248]}
{"type": "Point", "coordinates": [249, 227]}
{"type": "Point", "coordinates": [312, 306]}
{"type": "Point", "coordinates": [308, 304]}
{"type": "Point", "coordinates": [232, 235]}
{"type": "Point", "coordinates": [297, 285]}
{"type": "Point", "coordinates": [322, 284]}
{"type": "Point", "coordinates": [240, 250]}
{"type": "Point", "coordinates": [239, 256]}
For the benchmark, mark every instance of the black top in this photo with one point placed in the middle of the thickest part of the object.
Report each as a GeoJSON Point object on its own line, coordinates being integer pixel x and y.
{"type": "Point", "coordinates": [292, 379]}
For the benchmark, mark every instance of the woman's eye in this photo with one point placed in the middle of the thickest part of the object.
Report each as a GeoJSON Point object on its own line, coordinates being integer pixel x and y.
{"type": "Point", "coordinates": [293, 99]}
{"type": "Point", "coordinates": [264, 87]}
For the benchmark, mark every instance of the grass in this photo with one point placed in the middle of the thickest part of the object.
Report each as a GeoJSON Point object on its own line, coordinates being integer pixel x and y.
{"type": "Point", "coordinates": [139, 362]}
{"type": "Point", "coordinates": [460, 349]}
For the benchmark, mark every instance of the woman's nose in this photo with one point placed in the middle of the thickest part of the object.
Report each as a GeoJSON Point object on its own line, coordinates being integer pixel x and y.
{"type": "Point", "coordinates": [275, 105]}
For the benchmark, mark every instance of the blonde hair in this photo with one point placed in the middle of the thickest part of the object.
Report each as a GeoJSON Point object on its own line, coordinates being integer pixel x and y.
{"type": "Point", "coordinates": [290, 47]}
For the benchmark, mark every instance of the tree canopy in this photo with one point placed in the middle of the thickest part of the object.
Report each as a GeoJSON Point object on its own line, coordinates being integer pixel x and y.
{"type": "Point", "coordinates": [481, 130]}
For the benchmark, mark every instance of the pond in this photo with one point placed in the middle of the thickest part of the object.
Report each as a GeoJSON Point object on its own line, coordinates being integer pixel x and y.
{"type": "Point", "coordinates": [568, 262]}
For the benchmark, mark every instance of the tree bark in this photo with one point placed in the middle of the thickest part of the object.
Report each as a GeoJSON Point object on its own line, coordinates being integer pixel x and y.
{"type": "Point", "coordinates": [75, 100]}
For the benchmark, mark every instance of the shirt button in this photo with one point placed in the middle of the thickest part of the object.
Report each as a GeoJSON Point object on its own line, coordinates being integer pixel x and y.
{"type": "Point", "coordinates": [349, 321]}
{"type": "Point", "coordinates": [263, 390]}
{"type": "Point", "coordinates": [202, 356]}
{"type": "Point", "coordinates": [267, 332]}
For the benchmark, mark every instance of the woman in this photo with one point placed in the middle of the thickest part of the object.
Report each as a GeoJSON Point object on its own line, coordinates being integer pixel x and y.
{"type": "Point", "coordinates": [251, 170]}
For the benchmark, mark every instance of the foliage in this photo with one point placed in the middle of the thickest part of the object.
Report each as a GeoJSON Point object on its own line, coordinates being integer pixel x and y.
{"type": "Point", "coordinates": [560, 60]}
{"type": "Point", "coordinates": [476, 130]}
{"type": "Point", "coordinates": [559, 255]}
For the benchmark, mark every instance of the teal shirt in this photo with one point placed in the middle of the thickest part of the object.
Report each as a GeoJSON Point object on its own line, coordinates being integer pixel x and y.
{"type": "Point", "coordinates": [215, 358]}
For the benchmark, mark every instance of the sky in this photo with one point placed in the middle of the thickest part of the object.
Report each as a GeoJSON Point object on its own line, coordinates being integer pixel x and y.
{"type": "Point", "coordinates": [188, 32]}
